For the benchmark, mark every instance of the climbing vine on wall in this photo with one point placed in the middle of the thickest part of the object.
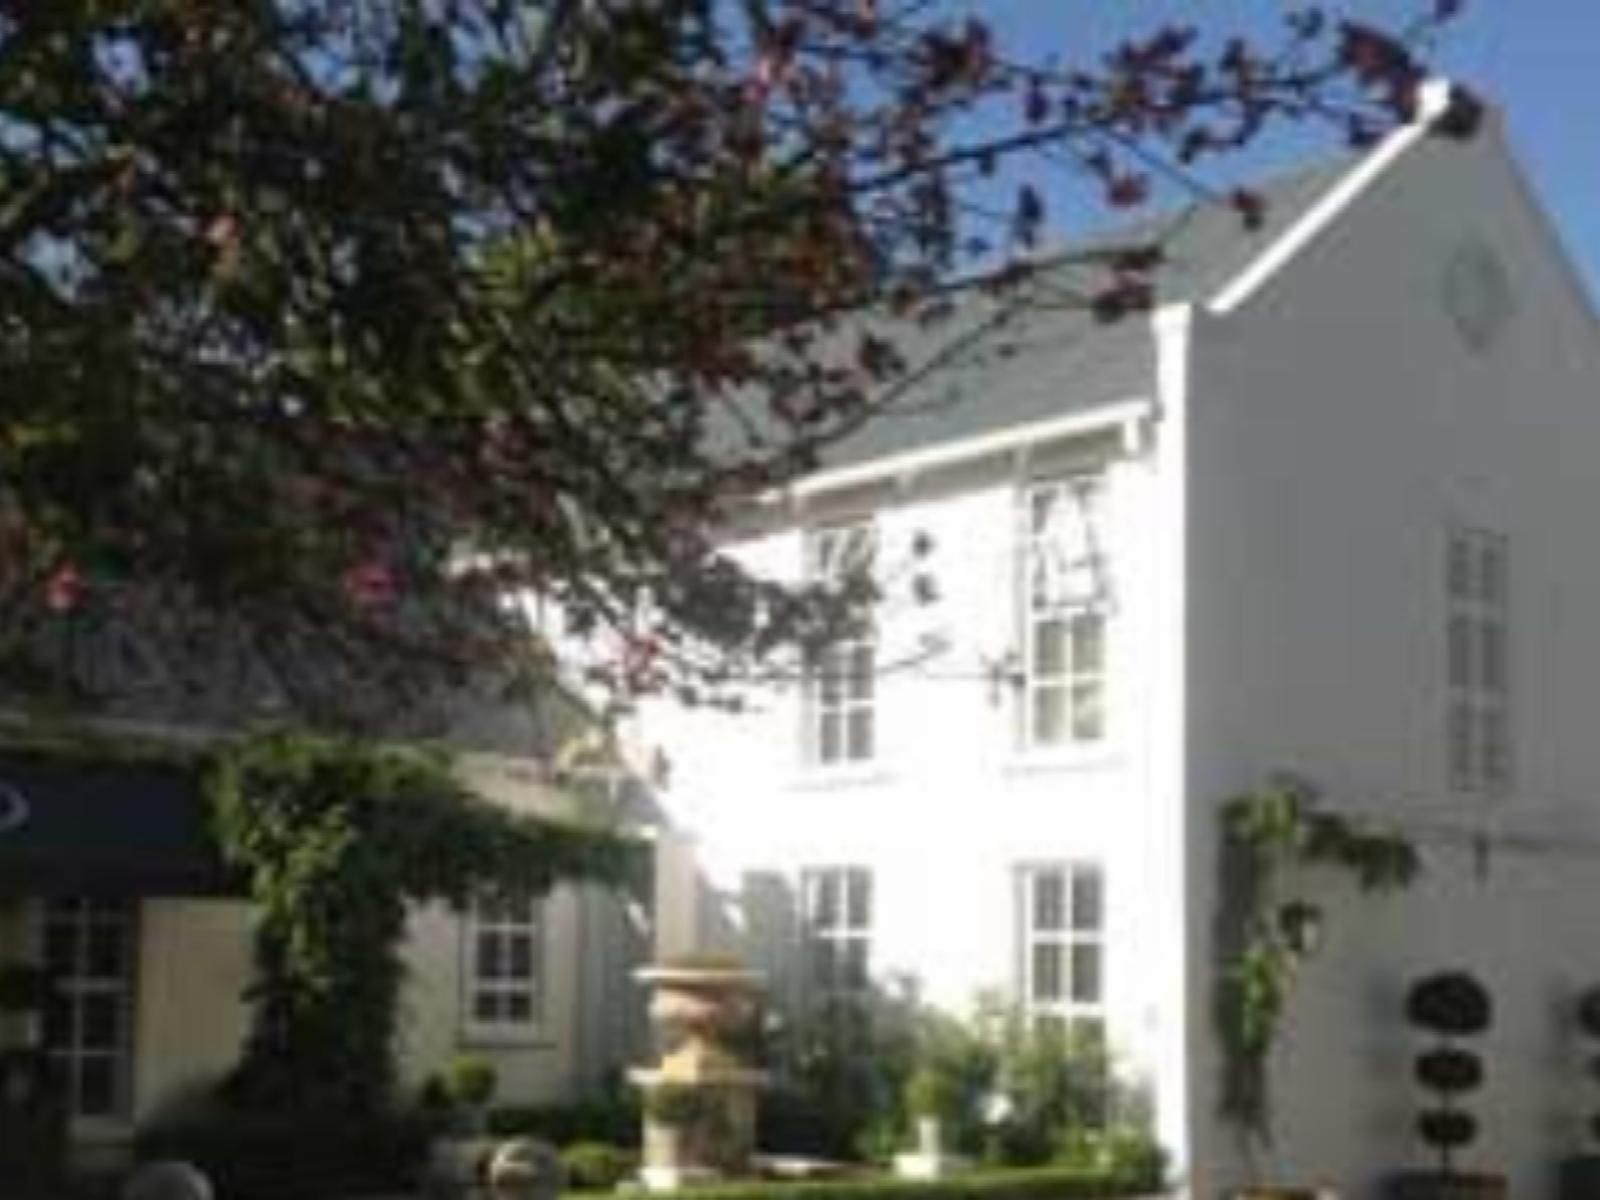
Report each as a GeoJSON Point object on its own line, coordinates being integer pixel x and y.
{"type": "Point", "coordinates": [335, 840]}
{"type": "Point", "coordinates": [1261, 934]}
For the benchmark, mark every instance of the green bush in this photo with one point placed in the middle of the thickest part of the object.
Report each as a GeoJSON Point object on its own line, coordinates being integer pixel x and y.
{"type": "Point", "coordinates": [472, 1081]}
{"type": "Point", "coordinates": [1047, 1183]}
{"type": "Point", "coordinates": [304, 1155]}
{"type": "Point", "coordinates": [614, 1119]}
{"type": "Point", "coordinates": [597, 1166]}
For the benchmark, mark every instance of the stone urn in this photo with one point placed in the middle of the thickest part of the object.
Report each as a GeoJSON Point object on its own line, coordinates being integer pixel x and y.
{"type": "Point", "coordinates": [700, 1100]}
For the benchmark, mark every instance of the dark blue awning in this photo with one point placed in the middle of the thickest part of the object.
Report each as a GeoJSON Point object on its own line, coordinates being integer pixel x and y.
{"type": "Point", "coordinates": [103, 828]}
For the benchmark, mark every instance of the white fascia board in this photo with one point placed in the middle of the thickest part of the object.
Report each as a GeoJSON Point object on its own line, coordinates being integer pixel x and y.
{"type": "Point", "coordinates": [1433, 102]}
{"type": "Point", "coordinates": [1119, 416]}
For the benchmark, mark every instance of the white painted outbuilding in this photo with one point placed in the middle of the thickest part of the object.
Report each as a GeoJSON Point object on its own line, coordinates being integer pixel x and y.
{"type": "Point", "coordinates": [1329, 509]}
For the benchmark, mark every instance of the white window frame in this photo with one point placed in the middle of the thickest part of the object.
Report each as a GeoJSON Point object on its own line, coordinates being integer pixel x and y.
{"type": "Point", "coordinates": [1478, 639]}
{"type": "Point", "coordinates": [1063, 614]}
{"type": "Point", "coordinates": [497, 921]}
{"type": "Point", "coordinates": [841, 936]}
{"type": "Point", "coordinates": [1065, 938]}
{"type": "Point", "coordinates": [840, 700]}
{"type": "Point", "coordinates": [75, 987]}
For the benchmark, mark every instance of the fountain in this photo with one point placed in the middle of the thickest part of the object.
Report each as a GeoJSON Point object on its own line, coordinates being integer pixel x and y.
{"type": "Point", "coordinates": [700, 1101]}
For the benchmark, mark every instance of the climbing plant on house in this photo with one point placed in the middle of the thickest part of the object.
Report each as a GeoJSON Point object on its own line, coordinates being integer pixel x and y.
{"type": "Point", "coordinates": [1262, 935]}
{"type": "Point", "coordinates": [335, 840]}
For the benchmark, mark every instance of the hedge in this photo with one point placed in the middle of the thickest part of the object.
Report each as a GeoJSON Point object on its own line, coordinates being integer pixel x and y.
{"type": "Point", "coordinates": [295, 1156]}
{"type": "Point", "coordinates": [603, 1119]}
{"type": "Point", "coordinates": [1043, 1183]}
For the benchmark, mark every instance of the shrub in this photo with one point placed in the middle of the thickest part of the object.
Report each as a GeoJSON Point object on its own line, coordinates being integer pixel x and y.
{"type": "Point", "coordinates": [1047, 1183]}
{"type": "Point", "coordinates": [598, 1166]}
{"type": "Point", "coordinates": [1449, 1004]}
{"type": "Point", "coordinates": [305, 1155]}
{"type": "Point", "coordinates": [614, 1119]}
{"type": "Point", "coordinates": [841, 1071]}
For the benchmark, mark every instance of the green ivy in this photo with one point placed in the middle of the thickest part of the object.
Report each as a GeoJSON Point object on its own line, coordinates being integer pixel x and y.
{"type": "Point", "coordinates": [336, 841]}
{"type": "Point", "coordinates": [1264, 834]}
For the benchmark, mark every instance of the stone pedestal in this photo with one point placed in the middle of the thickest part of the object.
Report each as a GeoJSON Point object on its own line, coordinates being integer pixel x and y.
{"type": "Point", "coordinates": [928, 1160]}
{"type": "Point", "coordinates": [700, 1102]}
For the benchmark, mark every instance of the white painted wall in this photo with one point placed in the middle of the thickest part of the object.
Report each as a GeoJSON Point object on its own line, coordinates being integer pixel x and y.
{"type": "Point", "coordinates": [1337, 426]}
{"type": "Point", "coordinates": [949, 810]}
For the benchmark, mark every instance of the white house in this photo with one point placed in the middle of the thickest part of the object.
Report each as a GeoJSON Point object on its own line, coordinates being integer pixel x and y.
{"type": "Point", "coordinates": [1330, 509]}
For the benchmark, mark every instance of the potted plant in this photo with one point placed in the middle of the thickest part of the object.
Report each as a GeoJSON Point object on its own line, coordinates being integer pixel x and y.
{"type": "Point", "coordinates": [1449, 1005]}
{"type": "Point", "coordinates": [471, 1084]}
{"type": "Point", "coordinates": [1580, 1174]}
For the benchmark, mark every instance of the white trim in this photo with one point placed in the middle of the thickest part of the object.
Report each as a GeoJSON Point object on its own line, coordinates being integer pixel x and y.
{"type": "Point", "coordinates": [1432, 102]}
{"type": "Point", "coordinates": [907, 464]}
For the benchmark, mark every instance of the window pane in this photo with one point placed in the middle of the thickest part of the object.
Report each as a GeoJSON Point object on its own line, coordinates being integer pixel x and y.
{"type": "Point", "coordinates": [1459, 572]}
{"type": "Point", "coordinates": [59, 1023]}
{"type": "Point", "coordinates": [830, 746]}
{"type": "Point", "coordinates": [859, 727]}
{"type": "Point", "coordinates": [1049, 901]}
{"type": "Point", "coordinates": [861, 667]}
{"type": "Point", "coordinates": [824, 900]}
{"type": "Point", "coordinates": [860, 905]}
{"type": "Point", "coordinates": [1491, 571]}
{"type": "Point", "coordinates": [1049, 649]}
{"type": "Point", "coordinates": [1049, 716]}
{"type": "Point", "coordinates": [1460, 652]}
{"type": "Point", "coordinates": [852, 964]}
{"type": "Point", "coordinates": [1492, 655]}
{"type": "Point", "coordinates": [521, 956]}
{"type": "Point", "coordinates": [102, 1022]}
{"type": "Point", "coordinates": [1088, 720]}
{"type": "Point", "coordinates": [832, 677]}
{"type": "Point", "coordinates": [1463, 743]}
{"type": "Point", "coordinates": [519, 1006]}
{"type": "Point", "coordinates": [97, 1086]}
{"type": "Point", "coordinates": [1088, 643]}
{"type": "Point", "coordinates": [1046, 974]}
{"type": "Point", "coordinates": [1495, 746]}
{"type": "Point", "coordinates": [486, 1006]}
{"type": "Point", "coordinates": [1044, 503]}
{"type": "Point", "coordinates": [61, 949]}
{"type": "Point", "coordinates": [106, 947]}
{"type": "Point", "coordinates": [490, 961]}
{"type": "Point", "coordinates": [824, 963]}
{"type": "Point", "coordinates": [1086, 900]}
{"type": "Point", "coordinates": [1086, 973]}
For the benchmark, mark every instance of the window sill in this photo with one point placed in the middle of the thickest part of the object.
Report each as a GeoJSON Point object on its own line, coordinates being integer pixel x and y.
{"type": "Point", "coordinates": [101, 1131]}
{"type": "Point", "coordinates": [870, 774]}
{"type": "Point", "coordinates": [1098, 757]}
{"type": "Point", "coordinates": [491, 1038]}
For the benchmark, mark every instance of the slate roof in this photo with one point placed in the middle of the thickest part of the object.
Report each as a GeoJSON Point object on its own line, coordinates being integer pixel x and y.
{"type": "Point", "coordinates": [1052, 358]}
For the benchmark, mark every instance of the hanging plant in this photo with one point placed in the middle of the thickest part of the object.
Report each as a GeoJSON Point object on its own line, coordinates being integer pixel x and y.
{"type": "Point", "coordinates": [1261, 937]}
{"type": "Point", "coordinates": [337, 840]}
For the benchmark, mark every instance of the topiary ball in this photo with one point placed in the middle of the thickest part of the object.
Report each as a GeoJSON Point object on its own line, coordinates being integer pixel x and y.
{"type": "Point", "coordinates": [1451, 1003]}
{"type": "Point", "coordinates": [1449, 1071]}
{"type": "Point", "coordinates": [168, 1181]}
{"type": "Point", "coordinates": [525, 1169]}
{"type": "Point", "coordinates": [1441, 1128]}
{"type": "Point", "coordinates": [1588, 1012]}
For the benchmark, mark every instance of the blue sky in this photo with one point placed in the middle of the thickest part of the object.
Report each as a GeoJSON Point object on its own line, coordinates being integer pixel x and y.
{"type": "Point", "coordinates": [1538, 60]}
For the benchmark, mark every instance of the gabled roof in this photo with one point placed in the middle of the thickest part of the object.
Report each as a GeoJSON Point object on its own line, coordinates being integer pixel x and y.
{"type": "Point", "coordinates": [980, 370]}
